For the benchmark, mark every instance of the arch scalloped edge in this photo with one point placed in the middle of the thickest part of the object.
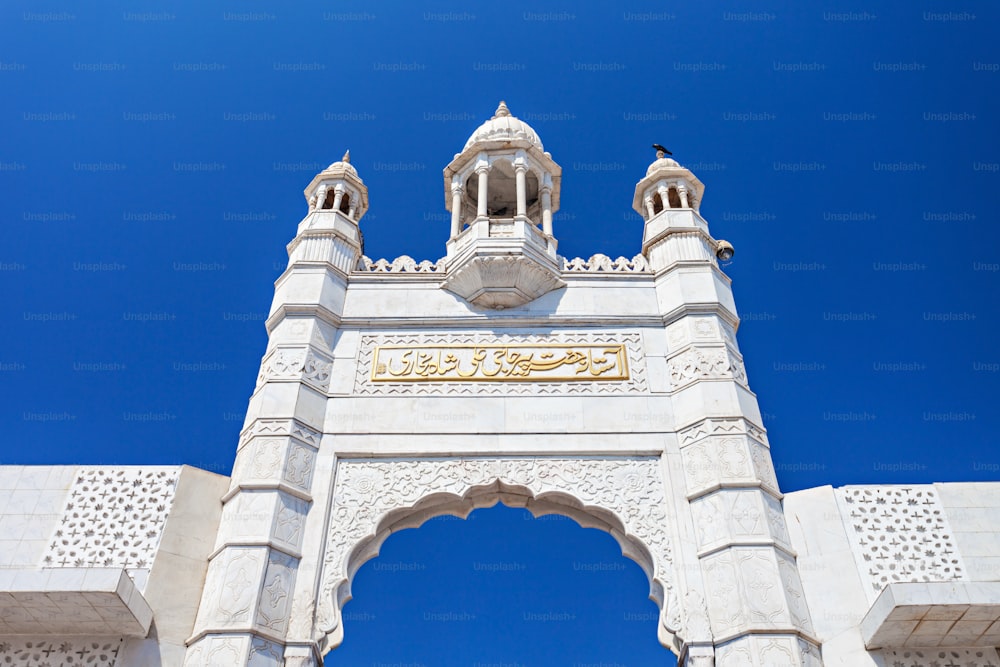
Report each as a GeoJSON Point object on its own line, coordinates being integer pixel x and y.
{"type": "Point", "coordinates": [358, 548]}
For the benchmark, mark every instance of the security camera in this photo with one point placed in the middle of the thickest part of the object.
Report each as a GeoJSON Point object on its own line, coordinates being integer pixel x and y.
{"type": "Point", "coordinates": [724, 250]}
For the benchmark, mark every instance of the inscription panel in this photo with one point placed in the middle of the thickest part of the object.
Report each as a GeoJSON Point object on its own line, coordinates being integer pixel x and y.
{"type": "Point", "coordinates": [511, 362]}
{"type": "Point", "coordinates": [505, 364]}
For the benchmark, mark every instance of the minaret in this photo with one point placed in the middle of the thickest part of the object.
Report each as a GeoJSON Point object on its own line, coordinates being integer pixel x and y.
{"type": "Point", "coordinates": [738, 537]}
{"type": "Point", "coordinates": [502, 191]}
{"type": "Point", "coordinates": [256, 576]}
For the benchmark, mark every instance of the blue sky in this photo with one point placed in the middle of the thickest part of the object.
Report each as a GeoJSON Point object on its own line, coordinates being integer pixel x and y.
{"type": "Point", "coordinates": [152, 161]}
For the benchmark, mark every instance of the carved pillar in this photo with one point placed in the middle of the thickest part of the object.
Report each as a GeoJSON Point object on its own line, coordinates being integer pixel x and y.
{"type": "Point", "coordinates": [682, 192]}
{"type": "Point", "coordinates": [456, 207]}
{"type": "Point", "coordinates": [648, 201]}
{"type": "Point", "coordinates": [520, 172]}
{"type": "Point", "coordinates": [483, 170]}
{"type": "Point", "coordinates": [547, 210]}
{"type": "Point", "coordinates": [664, 193]}
{"type": "Point", "coordinates": [338, 196]}
{"type": "Point", "coordinates": [321, 196]}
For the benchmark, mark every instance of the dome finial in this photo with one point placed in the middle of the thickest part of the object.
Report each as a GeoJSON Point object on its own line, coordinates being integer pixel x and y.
{"type": "Point", "coordinates": [502, 110]}
{"type": "Point", "coordinates": [661, 152]}
{"type": "Point", "coordinates": [347, 157]}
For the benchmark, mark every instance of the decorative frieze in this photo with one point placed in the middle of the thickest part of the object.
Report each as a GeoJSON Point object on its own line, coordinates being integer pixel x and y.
{"type": "Point", "coordinates": [599, 263]}
{"type": "Point", "coordinates": [483, 364]}
{"type": "Point", "coordinates": [721, 426]}
{"type": "Point", "coordinates": [113, 517]}
{"type": "Point", "coordinates": [899, 534]}
{"type": "Point", "coordinates": [402, 264]}
{"type": "Point", "coordinates": [952, 657]}
{"type": "Point", "coordinates": [704, 363]}
{"type": "Point", "coordinates": [366, 491]}
{"type": "Point", "coordinates": [30, 652]}
{"type": "Point", "coordinates": [281, 427]}
{"type": "Point", "coordinates": [296, 363]}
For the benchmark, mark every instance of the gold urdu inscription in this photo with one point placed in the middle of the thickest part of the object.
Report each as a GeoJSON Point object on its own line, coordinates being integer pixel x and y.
{"type": "Point", "coordinates": [518, 362]}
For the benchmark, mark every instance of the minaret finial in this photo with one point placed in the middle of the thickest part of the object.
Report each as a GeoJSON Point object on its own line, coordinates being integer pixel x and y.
{"type": "Point", "coordinates": [347, 157]}
{"type": "Point", "coordinates": [502, 110]}
{"type": "Point", "coordinates": [661, 151]}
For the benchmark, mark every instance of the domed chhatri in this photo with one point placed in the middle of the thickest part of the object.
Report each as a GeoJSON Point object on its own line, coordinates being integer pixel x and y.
{"type": "Point", "coordinates": [502, 190]}
{"type": "Point", "coordinates": [667, 185]}
{"type": "Point", "coordinates": [504, 128]}
{"type": "Point", "coordinates": [338, 188]}
{"type": "Point", "coordinates": [523, 180]}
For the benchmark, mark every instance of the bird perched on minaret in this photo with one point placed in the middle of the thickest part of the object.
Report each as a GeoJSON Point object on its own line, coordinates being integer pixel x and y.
{"type": "Point", "coordinates": [661, 151]}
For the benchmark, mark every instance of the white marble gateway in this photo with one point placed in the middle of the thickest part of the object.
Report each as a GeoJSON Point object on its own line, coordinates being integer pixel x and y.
{"type": "Point", "coordinates": [610, 390]}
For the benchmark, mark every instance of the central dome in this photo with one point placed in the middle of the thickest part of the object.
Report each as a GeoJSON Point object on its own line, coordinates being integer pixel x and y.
{"type": "Point", "coordinates": [504, 127]}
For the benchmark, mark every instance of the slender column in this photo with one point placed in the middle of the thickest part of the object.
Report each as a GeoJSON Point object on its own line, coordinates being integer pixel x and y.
{"type": "Point", "coordinates": [520, 172]}
{"type": "Point", "coordinates": [682, 192]}
{"type": "Point", "coordinates": [338, 197]}
{"type": "Point", "coordinates": [456, 209]}
{"type": "Point", "coordinates": [664, 193]}
{"type": "Point", "coordinates": [321, 196]}
{"type": "Point", "coordinates": [547, 210]}
{"type": "Point", "coordinates": [648, 201]}
{"type": "Point", "coordinates": [352, 210]}
{"type": "Point", "coordinates": [484, 176]}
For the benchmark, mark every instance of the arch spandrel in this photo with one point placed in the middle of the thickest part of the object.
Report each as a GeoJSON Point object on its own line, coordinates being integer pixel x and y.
{"type": "Point", "coordinates": [374, 497]}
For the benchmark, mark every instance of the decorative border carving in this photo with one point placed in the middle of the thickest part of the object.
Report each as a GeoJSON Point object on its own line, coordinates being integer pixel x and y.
{"type": "Point", "coordinates": [704, 363]}
{"type": "Point", "coordinates": [721, 426]}
{"type": "Point", "coordinates": [113, 517]}
{"type": "Point", "coordinates": [366, 491]}
{"type": "Point", "coordinates": [599, 263]}
{"type": "Point", "coordinates": [596, 263]}
{"type": "Point", "coordinates": [402, 264]}
{"type": "Point", "coordinates": [636, 384]}
{"type": "Point", "coordinates": [296, 363]}
{"type": "Point", "coordinates": [945, 657]}
{"type": "Point", "coordinates": [277, 427]}
{"type": "Point", "coordinates": [27, 652]}
{"type": "Point", "coordinates": [901, 534]}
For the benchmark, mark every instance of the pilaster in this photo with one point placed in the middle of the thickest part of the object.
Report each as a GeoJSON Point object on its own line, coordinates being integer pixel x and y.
{"type": "Point", "coordinates": [755, 602]}
{"type": "Point", "coordinates": [250, 587]}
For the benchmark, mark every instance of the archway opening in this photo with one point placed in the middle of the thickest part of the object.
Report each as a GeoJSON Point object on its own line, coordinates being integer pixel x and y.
{"type": "Point", "coordinates": [657, 203]}
{"type": "Point", "coordinates": [674, 197]}
{"type": "Point", "coordinates": [502, 587]}
{"type": "Point", "coordinates": [502, 193]}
